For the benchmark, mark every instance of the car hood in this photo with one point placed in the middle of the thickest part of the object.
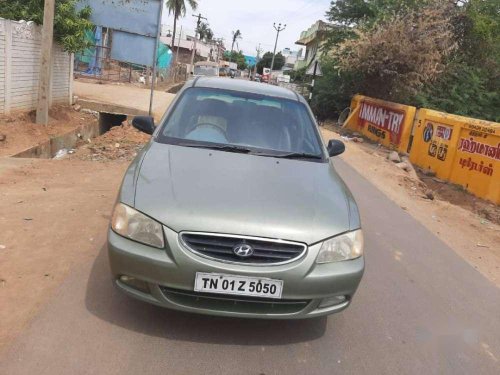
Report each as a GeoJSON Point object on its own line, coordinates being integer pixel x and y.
{"type": "Point", "coordinates": [194, 189]}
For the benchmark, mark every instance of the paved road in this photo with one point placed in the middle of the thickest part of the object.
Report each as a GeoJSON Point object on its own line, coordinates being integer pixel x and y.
{"type": "Point", "coordinates": [419, 310]}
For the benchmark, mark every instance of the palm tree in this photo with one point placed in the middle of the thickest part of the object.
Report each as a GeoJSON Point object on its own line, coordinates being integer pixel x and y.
{"type": "Point", "coordinates": [236, 35]}
{"type": "Point", "coordinates": [178, 9]}
{"type": "Point", "coordinates": [205, 32]}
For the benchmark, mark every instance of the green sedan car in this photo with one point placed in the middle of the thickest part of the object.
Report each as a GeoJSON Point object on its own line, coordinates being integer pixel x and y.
{"type": "Point", "coordinates": [234, 208]}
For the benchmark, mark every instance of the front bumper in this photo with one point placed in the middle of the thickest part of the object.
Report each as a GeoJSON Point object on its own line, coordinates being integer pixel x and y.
{"type": "Point", "coordinates": [170, 274]}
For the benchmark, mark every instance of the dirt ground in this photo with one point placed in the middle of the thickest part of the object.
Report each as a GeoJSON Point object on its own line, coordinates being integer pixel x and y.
{"type": "Point", "coordinates": [467, 224]}
{"type": "Point", "coordinates": [21, 132]}
{"type": "Point", "coordinates": [49, 222]}
{"type": "Point", "coordinates": [52, 213]}
{"type": "Point", "coordinates": [119, 143]}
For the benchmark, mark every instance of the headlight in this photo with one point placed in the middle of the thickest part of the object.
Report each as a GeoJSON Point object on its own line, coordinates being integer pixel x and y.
{"type": "Point", "coordinates": [130, 223]}
{"type": "Point", "coordinates": [344, 247]}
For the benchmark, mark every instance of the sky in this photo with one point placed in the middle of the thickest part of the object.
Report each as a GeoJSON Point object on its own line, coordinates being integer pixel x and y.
{"type": "Point", "coordinates": [255, 18]}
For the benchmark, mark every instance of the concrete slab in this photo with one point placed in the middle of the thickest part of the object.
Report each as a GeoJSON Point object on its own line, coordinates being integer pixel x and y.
{"type": "Point", "coordinates": [112, 98]}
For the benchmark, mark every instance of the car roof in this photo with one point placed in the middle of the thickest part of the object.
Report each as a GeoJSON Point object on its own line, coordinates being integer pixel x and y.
{"type": "Point", "coordinates": [245, 86]}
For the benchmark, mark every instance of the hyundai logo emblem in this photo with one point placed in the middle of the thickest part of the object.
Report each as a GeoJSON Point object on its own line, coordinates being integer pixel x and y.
{"type": "Point", "coordinates": [243, 250]}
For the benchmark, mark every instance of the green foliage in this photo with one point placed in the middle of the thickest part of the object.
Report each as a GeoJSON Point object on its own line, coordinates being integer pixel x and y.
{"type": "Point", "coordinates": [237, 57]}
{"type": "Point", "coordinates": [298, 75]}
{"type": "Point", "coordinates": [468, 79]}
{"type": "Point", "coordinates": [178, 9]}
{"type": "Point", "coordinates": [470, 83]}
{"type": "Point", "coordinates": [205, 32]}
{"type": "Point", "coordinates": [463, 90]}
{"type": "Point", "coordinates": [265, 62]}
{"type": "Point", "coordinates": [347, 15]}
{"type": "Point", "coordinates": [70, 25]}
{"type": "Point", "coordinates": [353, 13]}
{"type": "Point", "coordinates": [334, 90]}
{"type": "Point", "coordinates": [236, 35]}
{"type": "Point", "coordinates": [350, 12]}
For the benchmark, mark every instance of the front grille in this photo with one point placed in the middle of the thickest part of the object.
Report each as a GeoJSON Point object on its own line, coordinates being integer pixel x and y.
{"type": "Point", "coordinates": [230, 303]}
{"type": "Point", "coordinates": [221, 247]}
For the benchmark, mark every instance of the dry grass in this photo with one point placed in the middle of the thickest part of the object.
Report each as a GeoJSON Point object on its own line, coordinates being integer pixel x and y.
{"type": "Point", "coordinates": [398, 56]}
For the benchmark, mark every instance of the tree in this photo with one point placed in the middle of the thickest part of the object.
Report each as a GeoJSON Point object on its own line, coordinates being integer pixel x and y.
{"type": "Point", "coordinates": [237, 57]}
{"type": "Point", "coordinates": [205, 32]}
{"type": "Point", "coordinates": [178, 9]}
{"type": "Point", "coordinates": [265, 61]}
{"type": "Point", "coordinates": [236, 36]}
{"type": "Point", "coordinates": [298, 75]}
{"type": "Point", "coordinates": [70, 25]}
{"type": "Point", "coordinates": [469, 84]}
{"type": "Point", "coordinates": [349, 15]}
{"type": "Point", "coordinates": [400, 54]}
{"type": "Point", "coordinates": [372, 50]}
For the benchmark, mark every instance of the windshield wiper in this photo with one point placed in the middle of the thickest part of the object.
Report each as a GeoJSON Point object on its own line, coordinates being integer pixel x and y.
{"type": "Point", "coordinates": [295, 155]}
{"type": "Point", "coordinates": [228, 148]}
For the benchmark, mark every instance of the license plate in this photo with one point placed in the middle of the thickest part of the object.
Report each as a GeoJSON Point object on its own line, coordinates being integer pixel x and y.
{"type": "Point", "coordinates": [238, 285]}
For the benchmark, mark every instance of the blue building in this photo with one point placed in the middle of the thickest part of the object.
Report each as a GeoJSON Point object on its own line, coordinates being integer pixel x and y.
{"type": "Point", "coordinates": [250, 60]}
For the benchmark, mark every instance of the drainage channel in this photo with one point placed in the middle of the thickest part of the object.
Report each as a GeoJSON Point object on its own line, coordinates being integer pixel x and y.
{"type": "Point", "coordinates": [50, 148]}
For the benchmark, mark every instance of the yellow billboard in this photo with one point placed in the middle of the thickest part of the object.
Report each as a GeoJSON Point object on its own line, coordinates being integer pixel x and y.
{"type": "Point", "coordinates": [458, 149]}
{"type": "Point", "coordinates": [384, 122]}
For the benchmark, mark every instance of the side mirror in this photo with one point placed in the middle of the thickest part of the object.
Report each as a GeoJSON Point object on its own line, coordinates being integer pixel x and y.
{"type": "Point", "coordinates": [145, 124]}
{"type": "Point", "coordinates": [335, 147]}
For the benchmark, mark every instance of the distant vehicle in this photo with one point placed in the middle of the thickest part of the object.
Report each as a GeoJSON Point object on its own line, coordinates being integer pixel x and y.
{"type": "Point", "coordinates": [283, 78]}
{"type": "Point", "coordinates": [266, 75]}
{"type": "Point", "coordinates": [224, 72]}
{"type": "Point", "coordinates": [206, 69]}
{"type": "Point", "coordinates": [234, 208]}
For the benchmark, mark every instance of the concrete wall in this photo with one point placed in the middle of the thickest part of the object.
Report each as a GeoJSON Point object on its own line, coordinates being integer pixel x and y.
{"type": "Point", "coordinates": [20, 44]}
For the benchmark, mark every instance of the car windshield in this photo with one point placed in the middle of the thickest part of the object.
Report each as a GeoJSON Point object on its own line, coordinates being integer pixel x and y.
{"type": "Point", "coordinates": [254, 123]}
{"type": "Point", "coordinates": [206, 71]}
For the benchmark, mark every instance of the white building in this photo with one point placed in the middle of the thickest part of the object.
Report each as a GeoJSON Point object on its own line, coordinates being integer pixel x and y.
{"type": "Point", "coordinates": [184, 39]}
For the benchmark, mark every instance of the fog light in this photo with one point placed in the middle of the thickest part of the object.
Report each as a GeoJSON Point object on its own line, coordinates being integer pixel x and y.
{"type": "Point", "coordinates": [135, 283]}
{"type": "Point", "coordinates": [332, 301]}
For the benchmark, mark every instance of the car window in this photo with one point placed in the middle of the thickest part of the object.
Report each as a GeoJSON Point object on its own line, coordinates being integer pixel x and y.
{"type": "Point", "coordinates": [236, 118]}
{"type": "Point", "coordinates": [206, 71]}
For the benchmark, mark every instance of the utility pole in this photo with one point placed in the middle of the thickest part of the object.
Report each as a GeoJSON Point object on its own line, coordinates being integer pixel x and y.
{"type": "Point", "coordinates": [42, 108]}
{"type": "Point", "coordinates": [259, 50]}
{"type": "Point", "coordinates": [178, 44]}
{"type": "Point", "coordinates": [278, 30]}
{"type": "Point", "coordinates": [218, 43]}
{"type": "Point", "coordinates": [155, 57]}
{"type": "Point", "coordinates": [195, 37]}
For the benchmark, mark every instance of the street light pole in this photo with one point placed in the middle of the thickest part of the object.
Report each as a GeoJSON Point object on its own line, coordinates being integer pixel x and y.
{"type": "Point", "coordinates": [278, 30]}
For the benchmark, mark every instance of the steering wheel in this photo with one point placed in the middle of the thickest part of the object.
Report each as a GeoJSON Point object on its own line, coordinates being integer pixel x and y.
{"type": "Point", "coordinates": [211, 128]}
